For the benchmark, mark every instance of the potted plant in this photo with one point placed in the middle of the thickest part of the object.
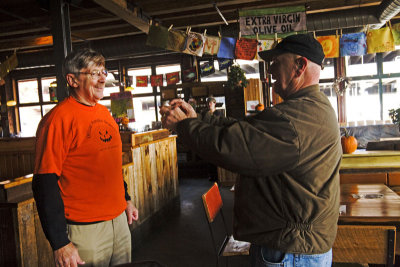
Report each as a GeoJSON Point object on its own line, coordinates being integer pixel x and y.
{"type": "Point", "coordinates": [395, 116]}
{"type": "Point", "coordinates": [236, 77]}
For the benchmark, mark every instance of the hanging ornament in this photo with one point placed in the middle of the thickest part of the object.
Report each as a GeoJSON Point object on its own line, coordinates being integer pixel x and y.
{"type": "Point", "coordinates": [340, 84]}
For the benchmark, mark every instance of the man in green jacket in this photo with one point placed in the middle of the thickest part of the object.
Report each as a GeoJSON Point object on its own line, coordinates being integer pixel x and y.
{"type": "Point", "coordinates": [288, 158]}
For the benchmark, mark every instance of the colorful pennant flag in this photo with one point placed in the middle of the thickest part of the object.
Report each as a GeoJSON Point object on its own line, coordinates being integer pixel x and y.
{"type": "Point", "coordinates": [380, 40]}
{"type": "Point", "coordinates": [156, 80]}
{"type": "Point", "coordinates": [353, 44]}
{"type": "Point", "coordinates": [396, 33]}
{"type": "Point", "coordinates": [330, 44]}
{"type": "Point", "coordinates": [227, 48]}
{"type": "Point", "coordinates": [176, 40]}
{"type": "Point", "coordinates": [194, 44]}
{"type": "Point", "coordinates": [224, 63]}
{"type": "Point", "coordinates": [142, 81]}
{"type": "Point", "coordinates": [207, 69]}
{"type": "Point", "coordinates": [189, 75]}
{"type": "Point", "coordinates": [246, 48]}
{"type": "Point", "coordinates": [157, 36]}
{"type": "Point", "coordinates": [263, 45]}
{"type": "Point", "coordinates": [172, 78]}
{"type": "Point", "coordinates": [211, 45]}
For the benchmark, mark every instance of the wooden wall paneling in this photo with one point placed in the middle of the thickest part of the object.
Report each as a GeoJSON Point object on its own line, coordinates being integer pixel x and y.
{"type": "Point", "coordinates": [27, 233]}
{"type": "Point", "coordinates": [153, 189]}
{"type": "Point", "coordinates": [160, 158]}
{"type": "Point", "coordinates": [145, 176]}
{"type": "Point", "coordinates": [394, 178]}
{"type": "Point", "coordinates": [363, 178]}
{"type": "Point", "coordinates": [137, 166]}
{"type": "Point", "coordinates": [18, 235]}
{"type": "Point", "coordinates": [9, 254]}
{"type": "Point", "coordinates": [174, 165]}
{"type": "Point", "coordinates": [44, 250]}
{"type": "Point", "coordinates": [169, 192]}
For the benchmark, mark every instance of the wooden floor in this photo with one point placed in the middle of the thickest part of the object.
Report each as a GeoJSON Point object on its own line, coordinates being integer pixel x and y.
{"type": "Point", "coordinates": [184, 240]}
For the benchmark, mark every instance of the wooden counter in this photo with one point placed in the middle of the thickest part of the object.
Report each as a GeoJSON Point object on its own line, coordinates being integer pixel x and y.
{"type": "Point", "coordinates": [152, 179]}
{"type": "Point", "coordinates": [359, 167]}
{"type": "Point", "coordinates": [368, 160]}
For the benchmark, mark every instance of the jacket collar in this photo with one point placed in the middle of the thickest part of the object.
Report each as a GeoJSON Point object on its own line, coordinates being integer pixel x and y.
{"type": "Point", "coordinates": [305, 91]}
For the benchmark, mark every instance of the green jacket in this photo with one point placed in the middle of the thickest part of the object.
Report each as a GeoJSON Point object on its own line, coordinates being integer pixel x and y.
{"type": "Point", "coordinates": [288, 158]}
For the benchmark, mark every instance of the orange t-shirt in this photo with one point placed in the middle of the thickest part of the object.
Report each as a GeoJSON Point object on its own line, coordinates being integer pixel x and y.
{"type": "Point", "coordinates": [82, 145]}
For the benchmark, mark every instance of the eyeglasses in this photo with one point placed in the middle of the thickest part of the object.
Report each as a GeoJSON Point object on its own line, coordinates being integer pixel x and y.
{"type": "Point", "coordinates": [96, 73]}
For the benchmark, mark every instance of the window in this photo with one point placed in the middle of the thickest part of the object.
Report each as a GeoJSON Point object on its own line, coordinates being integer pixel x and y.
{"type": "Point", "coordinates": [145, 112]}
{"type": "Point", "coordinates": [45, 88]}
{"type": "Point", "coordinates": [390, 95]}
{"type": "Point", "coordinates": [112, 83]}
{"type": "Point", "coordinates": [219, 75]}
{"type": "Point", "coordinates": [362, 101]}
{"type": "Point", "coordinates": [250, 68]}
{"type": "Point", "coordinates": [328, 72]}
{"type": "Point", "coordinates": [28, 91]}
{"type": "Point", "coordinates": [361, 65]}
{"type": "Point", "coordinates": [29, 119]}
{"type": "Point", "coordinates": [31, 109]}
{"type": "Point", "coordinates": [329, 91]}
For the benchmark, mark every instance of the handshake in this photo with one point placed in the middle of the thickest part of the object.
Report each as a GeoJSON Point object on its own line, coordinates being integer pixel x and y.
{"type": "Point", "coordinates": [177, 111]}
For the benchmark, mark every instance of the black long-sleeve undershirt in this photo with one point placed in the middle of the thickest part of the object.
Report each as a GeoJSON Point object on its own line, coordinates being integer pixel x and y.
{"type": "Point", "coordinates": [50, 208]}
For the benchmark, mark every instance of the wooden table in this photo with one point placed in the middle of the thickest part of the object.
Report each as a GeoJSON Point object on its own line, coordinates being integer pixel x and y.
{"type": "Point", "coordinates": [384, 210]}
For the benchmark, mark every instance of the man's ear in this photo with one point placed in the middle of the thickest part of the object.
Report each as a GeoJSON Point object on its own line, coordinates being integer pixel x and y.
{"type": "Point", "coordinates": [301, 65]}
{"type": "Point", "coordinates": [72, 81]}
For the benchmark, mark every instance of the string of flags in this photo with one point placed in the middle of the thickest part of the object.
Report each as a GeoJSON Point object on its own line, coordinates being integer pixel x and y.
{"type": "Point", "coordinates": [260, 29]}
{"type": "Point", "coordinates": [188, 75]}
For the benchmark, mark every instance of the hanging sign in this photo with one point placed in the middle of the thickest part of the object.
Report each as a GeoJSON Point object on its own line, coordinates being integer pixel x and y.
{"type": "Point", "coordinates": [227, 48]}
{"type": "Point", "coordinates": [380, 40]}
{"type": "Point", "coordinates": [172, 78]}
{"type": "Point", "coordinates": [330, 45]}
{"type": "Point", "coordinates": [176, 40]}
{"type": "Point", "coordinates": [353, 44]}
{"type": "Point", "coordinates": [142, 81]}
{"type": "Point", "coordinates": [246, 48]}
{"type": "Point", "coordinates": [272, 20]}
{"type": "Point", "coordinates": [211, 45]}
{"type": "Point", "coordinates": [156, 80]}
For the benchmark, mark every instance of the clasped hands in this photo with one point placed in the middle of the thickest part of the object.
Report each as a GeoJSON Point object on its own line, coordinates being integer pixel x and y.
{"type": "Point", "coordinates": [177, 111]}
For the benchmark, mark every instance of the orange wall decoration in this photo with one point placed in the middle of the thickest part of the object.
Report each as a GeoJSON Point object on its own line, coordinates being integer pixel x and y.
{"type": "Point", "coordinates": [330, 44]}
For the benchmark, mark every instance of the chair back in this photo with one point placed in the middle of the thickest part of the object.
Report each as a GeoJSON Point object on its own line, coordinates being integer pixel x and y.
{"type": "Point", "coordinates": [212, 202]}
{"type": "Point", "coordinates": [371, 244]}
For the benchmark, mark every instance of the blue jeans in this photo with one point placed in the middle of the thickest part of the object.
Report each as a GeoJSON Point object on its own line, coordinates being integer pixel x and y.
{"type": "Point", "coordinates": [264, 257]}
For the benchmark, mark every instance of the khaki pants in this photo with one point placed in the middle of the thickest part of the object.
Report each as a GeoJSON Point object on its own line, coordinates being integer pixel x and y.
{"type": "Point", "coordinates": [102, 244]}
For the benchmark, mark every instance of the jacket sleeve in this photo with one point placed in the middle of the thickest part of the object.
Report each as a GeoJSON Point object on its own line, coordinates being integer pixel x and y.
{"type": "Point", "coordinates": [257, 146]}
{"type": "Point", "coordinates": [50, 209]}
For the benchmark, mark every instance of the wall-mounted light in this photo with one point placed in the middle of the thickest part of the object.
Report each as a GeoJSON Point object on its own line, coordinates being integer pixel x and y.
{"type": "Point", "coordinates": [11, 103]}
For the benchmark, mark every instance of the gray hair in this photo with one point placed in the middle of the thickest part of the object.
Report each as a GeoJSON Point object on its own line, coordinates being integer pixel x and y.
{"type": "Point", "coordinates": [81, 59]}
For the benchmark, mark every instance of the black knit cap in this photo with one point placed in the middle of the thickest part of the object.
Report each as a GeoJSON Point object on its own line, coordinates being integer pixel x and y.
{"type": "Point", "coordinates": [300, 44]}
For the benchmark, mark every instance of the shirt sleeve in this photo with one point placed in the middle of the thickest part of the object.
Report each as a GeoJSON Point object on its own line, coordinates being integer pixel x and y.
{"type": "Point", "coordinates": [50, 209]}
{"type": "Point", "coordinates": [249, 147]}
{"type": "Point", "coordinates": [127, 196]}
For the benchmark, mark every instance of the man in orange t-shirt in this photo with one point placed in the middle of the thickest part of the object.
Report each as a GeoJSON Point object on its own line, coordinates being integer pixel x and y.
{"type": "Point", "coordinates": [78, 185]}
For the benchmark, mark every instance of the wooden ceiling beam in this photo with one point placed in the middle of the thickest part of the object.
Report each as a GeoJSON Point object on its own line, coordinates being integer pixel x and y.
{"type": "Point", "coordinates": [122, 10]}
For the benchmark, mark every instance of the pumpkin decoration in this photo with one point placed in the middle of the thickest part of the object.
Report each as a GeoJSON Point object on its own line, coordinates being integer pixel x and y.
{"type": "Point", "coordinates": [259, 107]}
{"type": "Point", "coordinates": [125, 121]}
{"type": "Point", "coordinates": [349, 143]}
